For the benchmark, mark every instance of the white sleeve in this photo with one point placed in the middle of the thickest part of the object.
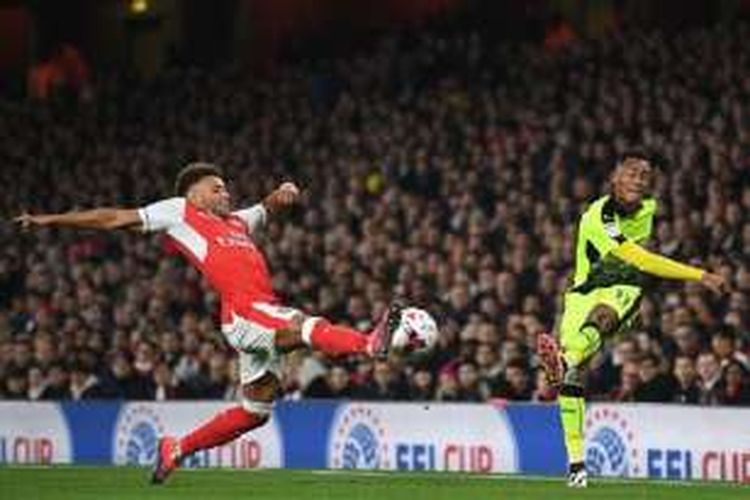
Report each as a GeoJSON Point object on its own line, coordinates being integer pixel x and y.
{"type": "Point", "coordinates": [162, 215]}
{"type": "Point", "coordinates": [253, 217]}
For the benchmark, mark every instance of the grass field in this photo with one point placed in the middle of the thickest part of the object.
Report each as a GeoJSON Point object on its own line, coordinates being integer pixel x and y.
{"type": "Point", "coordinates": [131, 483]}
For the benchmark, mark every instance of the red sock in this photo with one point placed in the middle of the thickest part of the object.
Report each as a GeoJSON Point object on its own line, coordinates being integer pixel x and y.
{"type": "Point", "coordinates": [222, 428]}
{"type": "Point", "coordinates": [333, 339]}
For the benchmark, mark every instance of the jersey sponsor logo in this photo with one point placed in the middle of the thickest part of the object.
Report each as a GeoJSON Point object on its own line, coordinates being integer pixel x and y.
{"type": "Point", "coordinates": [236, 223]}
{"type": "Point", "coordinates": [234, 240]}
{"type": "Point", "coordinates": [359, 440]}
{"type": "Point", "coordinates": [611, 445]}
{"type": "Point", "coordinates": [137, 435]}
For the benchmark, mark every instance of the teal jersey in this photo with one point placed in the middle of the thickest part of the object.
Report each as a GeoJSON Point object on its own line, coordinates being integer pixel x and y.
{"type": "Point", "coordinates": [601, 229]}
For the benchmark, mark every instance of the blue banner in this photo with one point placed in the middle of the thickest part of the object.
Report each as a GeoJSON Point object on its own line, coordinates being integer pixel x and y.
{"type": "Point", "coordinates": [539, 438]}
{"type": "Point", "coordinates": [91, 429]}
{"type": "Point", "coordinates": [622, 440]}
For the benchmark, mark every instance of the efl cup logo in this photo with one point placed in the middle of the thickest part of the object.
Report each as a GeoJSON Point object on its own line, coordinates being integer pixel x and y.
{"type": "Point", "coordinates": [138, 432]}
{"type": "Point", "coordinates": [358, 440]}
{"type": "Point", "coordinates": [610, 444]}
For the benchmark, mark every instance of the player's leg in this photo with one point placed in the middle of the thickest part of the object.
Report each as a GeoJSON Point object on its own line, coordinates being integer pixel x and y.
{"type": "Point", "coordinates": [227, 425]}
{"type": "Point", "coordinates": [579, 345]}
{"type": "Point", "coordinates": [587, 320]}
{"type": "Point", "coordinates": [259, 375]}
{"type": "Point", "coordinates": [580, 337]}
{"type": "Point", "coordinates": [292, 329]}
{"type": "Point", "coordinates": [254, 411]}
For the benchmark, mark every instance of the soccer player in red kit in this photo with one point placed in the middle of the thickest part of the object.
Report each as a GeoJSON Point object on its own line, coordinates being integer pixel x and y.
{"type": "Point", "coordinates": [219, 242]}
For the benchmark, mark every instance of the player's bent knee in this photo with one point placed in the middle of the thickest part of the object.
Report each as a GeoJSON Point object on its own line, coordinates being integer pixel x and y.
{"type": "Point", "coordinates": [308, 325]}
{"type": "Point", "coordinates": [604, 318]}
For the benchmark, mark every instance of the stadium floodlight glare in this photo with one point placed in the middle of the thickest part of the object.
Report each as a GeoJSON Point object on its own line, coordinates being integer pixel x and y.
{"type": "Point", "coordinates": [139, 6]}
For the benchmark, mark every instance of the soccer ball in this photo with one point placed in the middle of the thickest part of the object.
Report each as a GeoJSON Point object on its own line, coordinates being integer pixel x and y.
{"type": "Point", "coordinates": [417, 331]}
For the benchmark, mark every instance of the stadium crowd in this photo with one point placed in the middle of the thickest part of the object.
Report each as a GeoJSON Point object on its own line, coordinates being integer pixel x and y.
{"type": "Point", "coordinates": [444, 169]}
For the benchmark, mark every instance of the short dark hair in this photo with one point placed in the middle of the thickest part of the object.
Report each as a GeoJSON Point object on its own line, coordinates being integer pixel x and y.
{"type": "Point", "coordinates": [193, 173]}
{"type": "Point", "coordinates": [654, 159]}
{"type": "Point", "coordinates": [633, 154]}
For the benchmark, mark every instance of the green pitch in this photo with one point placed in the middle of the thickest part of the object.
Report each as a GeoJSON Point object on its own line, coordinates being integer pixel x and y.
{"type": "Point", "coordinates": [98, 483]}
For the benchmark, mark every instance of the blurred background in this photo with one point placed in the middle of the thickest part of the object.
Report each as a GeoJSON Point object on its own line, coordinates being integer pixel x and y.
{"type": "Point", "coordinates": [147, 36]}
{"type": "Point", "coordinates": [445, 147]}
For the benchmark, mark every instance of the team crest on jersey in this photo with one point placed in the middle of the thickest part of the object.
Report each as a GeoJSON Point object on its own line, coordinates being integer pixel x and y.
{"type": "Point", "coordinates": [611, 229]}
{"type": "Point", "coordinates": [359, 440]}
{"type": "Point", "coordinates": [611, 444]}
{"type": "Point", "coordinates": [137, 436]}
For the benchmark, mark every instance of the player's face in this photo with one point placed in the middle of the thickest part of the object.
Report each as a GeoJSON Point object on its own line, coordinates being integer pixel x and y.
{"type": "Point", "coordinates": [211, 194]}
{"type": "Point", "coordinates": [632, 181]}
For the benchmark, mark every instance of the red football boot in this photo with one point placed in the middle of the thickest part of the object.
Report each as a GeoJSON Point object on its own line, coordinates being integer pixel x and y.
{"type": "Point", "coordinates": [167, 459]}
{"type": "Point", "coordinates": [380, 337]}
{"type": "Point", "coordinates": [551, 358]}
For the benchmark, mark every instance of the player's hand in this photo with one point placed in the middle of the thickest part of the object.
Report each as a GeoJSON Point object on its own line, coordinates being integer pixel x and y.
{"type": "Point", "coordinates": [285, 195]}
{"type": "Point", "coordinates": [28, 220]}
{"type": "Point", "coordinates": [289, 192]}
{"type": "Point", "coordinates": [714, 282]}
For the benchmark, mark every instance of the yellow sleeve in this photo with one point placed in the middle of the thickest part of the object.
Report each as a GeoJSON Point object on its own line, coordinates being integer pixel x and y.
{"type": "Point", "coordinates": [655, 264]}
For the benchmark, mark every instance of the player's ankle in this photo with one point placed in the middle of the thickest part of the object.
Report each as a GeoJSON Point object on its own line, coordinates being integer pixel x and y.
{"type": "Point", "coordinates": [577, 466]}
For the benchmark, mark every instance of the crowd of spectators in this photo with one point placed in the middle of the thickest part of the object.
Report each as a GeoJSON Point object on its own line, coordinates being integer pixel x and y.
{"type": "Point", "coordinates": [443, 169]}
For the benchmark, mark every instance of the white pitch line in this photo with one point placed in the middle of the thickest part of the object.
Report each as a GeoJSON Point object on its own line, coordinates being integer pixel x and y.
{"type": "Point", "coordinates": [383, 473]}
{"type": "Point", "coordinates": [543, 479]}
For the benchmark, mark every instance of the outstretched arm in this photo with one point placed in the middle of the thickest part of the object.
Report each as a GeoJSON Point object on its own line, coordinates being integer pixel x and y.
{"type": "Point", "coordinates": [98, 218]}
{"type": "Point", "coordinates": [664, 267]}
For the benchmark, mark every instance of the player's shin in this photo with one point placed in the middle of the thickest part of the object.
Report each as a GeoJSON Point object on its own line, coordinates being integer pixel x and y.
{"type": "Point", "coordinates": [225, 427]}
{"type": "Point", "coordinates": [571, 396]}
{"type": "Point", "coordinates": [572, 410]}
{"type": "Point", "coordinates": [332, 339]}
{"type": "Point", "coordinates": [592, 343]}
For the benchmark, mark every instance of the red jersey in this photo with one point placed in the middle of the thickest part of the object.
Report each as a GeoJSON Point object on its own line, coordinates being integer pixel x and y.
{"type": "Point", "coordinates": [220, 247]}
